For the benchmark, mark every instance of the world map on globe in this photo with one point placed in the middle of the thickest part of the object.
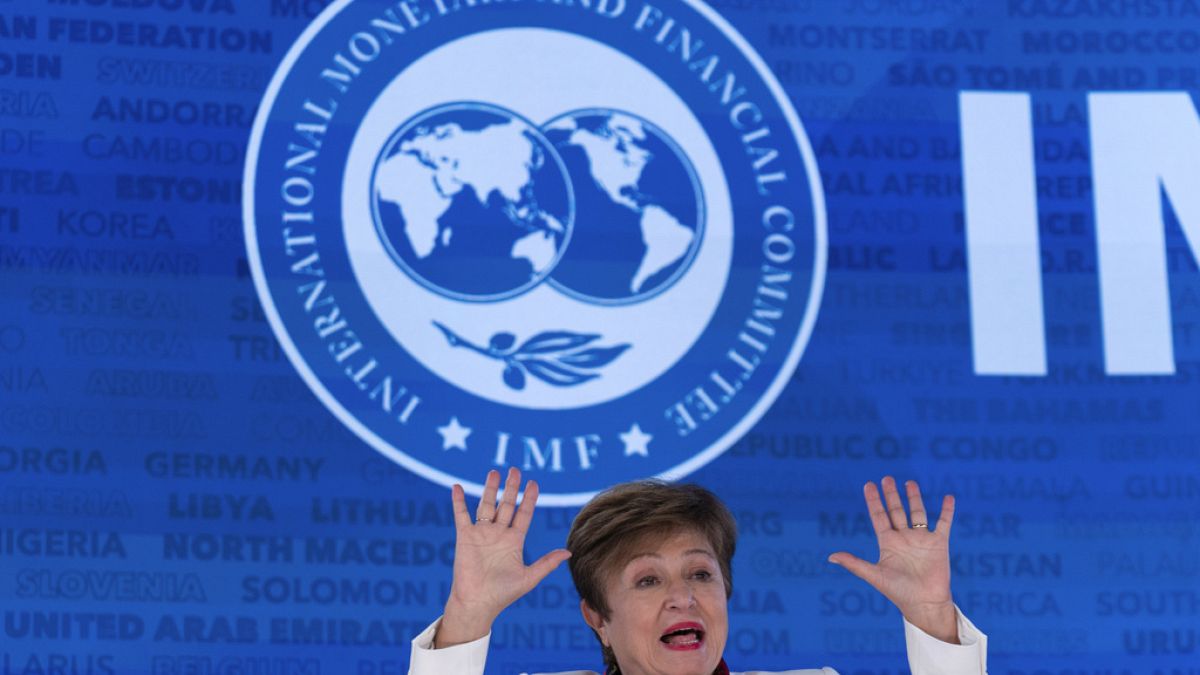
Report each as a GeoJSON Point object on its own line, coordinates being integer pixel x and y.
{"type": "Point", "coordinates": [477, 204]}
{"type": "Point", "coordinates": [472, 201]}
{"type": "Point", "coordinates": [639, 214]}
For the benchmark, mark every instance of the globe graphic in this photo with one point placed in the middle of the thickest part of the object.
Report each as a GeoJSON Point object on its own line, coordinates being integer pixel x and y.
{"type": "Point", "coordinates": [639, 214]}
{"type": "Point", "coordinates": [472, 201]}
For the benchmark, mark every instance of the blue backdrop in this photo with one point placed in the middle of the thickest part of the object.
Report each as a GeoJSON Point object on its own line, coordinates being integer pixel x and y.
{"type": "Point", "coordinates": [175, 498]}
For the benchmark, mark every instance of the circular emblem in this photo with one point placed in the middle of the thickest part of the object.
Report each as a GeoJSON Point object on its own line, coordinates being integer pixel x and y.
{"type": "Point", "coordinates": [585, 239]}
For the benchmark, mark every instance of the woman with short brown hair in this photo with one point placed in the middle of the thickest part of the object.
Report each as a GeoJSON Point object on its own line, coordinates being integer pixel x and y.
{"type": "Point", "coordinates": [652, 563]}
{"type": "Point", "coordinates": [625, 520]}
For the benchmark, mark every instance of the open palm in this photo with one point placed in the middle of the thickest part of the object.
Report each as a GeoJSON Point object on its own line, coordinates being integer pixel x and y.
{"type": "Point", "coordinates": [913, 570]}
{"type": "Point", "coordinates": [489, 566]}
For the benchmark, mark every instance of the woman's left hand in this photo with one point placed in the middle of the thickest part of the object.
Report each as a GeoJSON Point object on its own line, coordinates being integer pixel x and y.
{"type": "Point", "coordinates": [914, 559]}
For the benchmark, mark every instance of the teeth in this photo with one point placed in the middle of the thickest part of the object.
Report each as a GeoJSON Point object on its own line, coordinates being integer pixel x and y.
{"type": "Point", "coordinates": [687, 636]}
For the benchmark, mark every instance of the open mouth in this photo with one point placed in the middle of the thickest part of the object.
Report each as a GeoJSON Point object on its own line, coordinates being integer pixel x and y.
{"type": "Point", "coordinates": [683, 636]}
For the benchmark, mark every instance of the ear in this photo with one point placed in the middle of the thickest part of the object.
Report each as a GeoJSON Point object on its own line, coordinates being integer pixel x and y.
{"type": "Point", "coordinates": [593, 619]}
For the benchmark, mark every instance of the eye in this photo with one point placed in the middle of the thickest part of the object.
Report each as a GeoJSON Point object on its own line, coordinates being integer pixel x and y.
{"type": "Point", "coordinates": [702, 575]}
{"type": "Point", "coordinates": [647, 581]}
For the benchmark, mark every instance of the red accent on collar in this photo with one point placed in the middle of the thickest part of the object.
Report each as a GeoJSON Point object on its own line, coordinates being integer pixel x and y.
{"type": "Point", "coordinates": [722, 669]}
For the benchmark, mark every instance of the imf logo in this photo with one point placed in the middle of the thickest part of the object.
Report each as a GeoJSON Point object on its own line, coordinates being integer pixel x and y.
{"type": "Point", "coordinates": [585, 238]}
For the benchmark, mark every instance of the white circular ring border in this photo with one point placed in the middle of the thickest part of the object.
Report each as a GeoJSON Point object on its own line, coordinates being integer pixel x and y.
{"type": "Point", "coordinates": [697, 461]}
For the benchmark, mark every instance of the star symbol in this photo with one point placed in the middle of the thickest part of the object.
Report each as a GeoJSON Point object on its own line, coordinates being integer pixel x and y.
{"type": "Point", "coordinates": [636, 441]}
{"type": "Point", "coordinates": [454, 435]}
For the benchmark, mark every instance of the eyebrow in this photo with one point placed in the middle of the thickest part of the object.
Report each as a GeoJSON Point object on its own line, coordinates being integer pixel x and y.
{"type": "Point", "coordinates": [691, 551]}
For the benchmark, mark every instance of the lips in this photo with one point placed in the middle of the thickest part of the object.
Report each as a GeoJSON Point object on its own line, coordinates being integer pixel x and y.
{"type": "Point", "coordinates": [685, 636]}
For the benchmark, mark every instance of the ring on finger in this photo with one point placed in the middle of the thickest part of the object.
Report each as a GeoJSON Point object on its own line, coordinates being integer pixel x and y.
{"type": "Point", "coordinates": [920, 525]}
{"type": "Point", "coordinates": [482, 519]}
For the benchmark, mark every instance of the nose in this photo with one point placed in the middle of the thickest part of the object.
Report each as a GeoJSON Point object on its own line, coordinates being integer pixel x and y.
{"type": "Point", "coordinates": [680, 595]}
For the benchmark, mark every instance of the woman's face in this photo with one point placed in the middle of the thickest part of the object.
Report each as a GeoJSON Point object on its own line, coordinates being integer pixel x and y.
{"type": "Point", "coordinates": [667, 609]}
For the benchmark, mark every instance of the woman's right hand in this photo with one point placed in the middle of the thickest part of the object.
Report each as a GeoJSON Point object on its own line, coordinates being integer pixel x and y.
{"type": "Point", "coordinates": [489, 567]}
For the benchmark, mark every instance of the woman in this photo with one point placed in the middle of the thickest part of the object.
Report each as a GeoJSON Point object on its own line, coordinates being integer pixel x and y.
{"type": "Point", "coordinates": [651, 562]}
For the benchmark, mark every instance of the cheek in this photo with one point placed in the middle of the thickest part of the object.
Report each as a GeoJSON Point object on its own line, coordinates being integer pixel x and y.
{"type": "Point", "coordinates": [628, 617]}
{"type": "Point", "coordinates": [713, 593]}
{"type": "Point", "coordinates": [716, 605]}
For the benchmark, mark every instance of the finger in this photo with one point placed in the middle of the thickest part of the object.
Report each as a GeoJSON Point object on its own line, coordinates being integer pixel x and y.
{"type": "Point", "coordinates": [462, 519]}
{"type": "Point", "coordinates": [894, 508]}
{"type": "Point", "coordinates": [543, 566]}
{"type": "Point", "coordinates": [857, 566]}
{"type": "Point", "coordinates": [916, 506]}
{"type": "Point", "coordinates": [508, 500]}
{"type": "Point", "coordinates": [947, 516]}
{"type": "Point", "coordinates": [879, 517]}
{"type": "Point", "coordinates": [525, 512]}
{"type": "Point", "coordinates": [487, 502]}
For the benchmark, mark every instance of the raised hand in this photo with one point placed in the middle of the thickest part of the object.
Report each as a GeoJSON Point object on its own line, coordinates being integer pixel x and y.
{"type": "Point", "coordinates": [914, 560]}
{"type": "Point", "coordinates": [489, 567]}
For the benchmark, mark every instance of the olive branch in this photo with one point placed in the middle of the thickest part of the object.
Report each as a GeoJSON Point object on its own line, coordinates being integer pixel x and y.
{"type": "Point", "coordinates": [557, 357]}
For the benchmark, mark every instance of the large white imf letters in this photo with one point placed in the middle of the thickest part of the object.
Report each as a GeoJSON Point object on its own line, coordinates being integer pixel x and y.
{"type": "Point", "coordinates": [1143, 144]}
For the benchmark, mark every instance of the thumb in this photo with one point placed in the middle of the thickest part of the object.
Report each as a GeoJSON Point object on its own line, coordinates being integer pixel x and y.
{"type": "Point", "coordinates": [860, 568]}
{"type": "Point", "coordinates": [546, 564]}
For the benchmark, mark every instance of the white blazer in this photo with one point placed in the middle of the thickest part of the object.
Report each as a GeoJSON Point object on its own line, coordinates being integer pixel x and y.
{"type": "Point", "coordinates": [806, 671]}
{"type": "Point", "coordinates": [927, 655]}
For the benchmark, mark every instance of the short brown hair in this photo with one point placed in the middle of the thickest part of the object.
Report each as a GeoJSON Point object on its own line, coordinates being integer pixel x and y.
{"type": "Point", "coordinates": [610, 529]}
